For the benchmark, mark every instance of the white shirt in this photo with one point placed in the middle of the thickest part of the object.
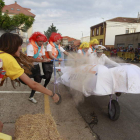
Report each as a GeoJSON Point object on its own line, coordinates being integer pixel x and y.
{"type": "Point", "coordinates": [89, 51]}
{"type": "Point", "coordinates": [49, 48]}
{"type": "Point", "coordinates": [30, 52]}
{"type": "Point", "coordinates": [102, 60]}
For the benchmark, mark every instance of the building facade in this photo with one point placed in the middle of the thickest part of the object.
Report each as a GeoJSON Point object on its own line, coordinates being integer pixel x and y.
{"type": "Point", "coordinates": [65, 41]}
{"type": "Point", "coordinates": [15, 9]}
{"type": "Point", "coordinates": [106, 31]}
{"type": "Point", "coordinates": [85, 39]}
{"type": "Point", "coordinates": [98, 31]}
{"type": "Point", "coordinates": [128, 40]}
{"type": "Point", "coordinates": [70, 41]}
{"type": "Point", "coordinates": [71, 44]}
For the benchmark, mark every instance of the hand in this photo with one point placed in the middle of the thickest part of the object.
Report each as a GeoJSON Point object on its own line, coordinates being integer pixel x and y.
{"type": "Point", "coordinates": [60, 59]}
{"type": "Point", "coordinates": [55, 98]}
{"type": "Point", "coordinates": [46, 60]}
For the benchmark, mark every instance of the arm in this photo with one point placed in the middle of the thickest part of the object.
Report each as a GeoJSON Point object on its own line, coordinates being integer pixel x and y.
{"type": "Point", "coordinates": [30, 53]}
{"type": "Point", "coordinates": [35, 60]}
{"type": "Point", "coordinates": [52, 57]}
{"type": "Point", "coordinates": [62, 50]}
{"type": "Point", "coordinates": [109, 61]}
{"type": "Point", "coordinates": [66, 53]}
{"type": "Point", "coordinates": [36, 86]}
{"type": "Point", "coordinates": [40, 60]}
{"type": "Point", "coordinates": [46, 59]}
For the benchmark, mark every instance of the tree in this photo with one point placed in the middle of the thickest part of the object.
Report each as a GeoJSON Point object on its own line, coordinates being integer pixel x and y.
{"type": "Point", "coordinates": [50, 30]}
{"type": "Point", "coordinates": [20, 21]}
{"type": "Point", "coordinates": [1, 6]}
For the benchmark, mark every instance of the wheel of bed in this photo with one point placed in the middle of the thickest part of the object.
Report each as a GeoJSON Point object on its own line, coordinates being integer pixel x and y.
{"type": "Point", "coordinates": [114, 110]}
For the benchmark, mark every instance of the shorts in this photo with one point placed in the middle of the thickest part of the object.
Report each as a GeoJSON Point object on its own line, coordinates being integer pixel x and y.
{"type": "Point", "coordinates": [47, 67]}
{"type": "Point", "coordinates": [35, 71]}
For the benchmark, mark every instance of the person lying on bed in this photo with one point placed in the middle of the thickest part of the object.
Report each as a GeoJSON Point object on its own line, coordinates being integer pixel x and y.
{"type": "Point", "coordinates": [99, 57]}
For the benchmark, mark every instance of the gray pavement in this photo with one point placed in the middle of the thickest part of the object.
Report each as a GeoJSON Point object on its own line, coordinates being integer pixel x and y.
{"type": "Point", "coordinates": [74, 113]}
{"type": "Point", "coordinates": [127, 127]}
{"type": "Point", "coordinates": [70, 124]}
{"type": "Point", "coordinates": [13, 105]}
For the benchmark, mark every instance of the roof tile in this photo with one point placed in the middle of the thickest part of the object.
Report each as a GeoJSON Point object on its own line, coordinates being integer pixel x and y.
{"type": "Point", "coordinates": [125, 19]}
{"type": "Point", "coordinates": [15, 6]}
{"type": "Point", "coordinates": [75, 41]}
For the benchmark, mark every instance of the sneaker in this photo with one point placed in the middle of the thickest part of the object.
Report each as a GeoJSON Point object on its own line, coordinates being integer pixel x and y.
{"type": "Point", "coordinates": [32, 99]}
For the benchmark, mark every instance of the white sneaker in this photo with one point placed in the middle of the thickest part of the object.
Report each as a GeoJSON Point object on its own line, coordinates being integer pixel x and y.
{"type": "Point", "coordinates": [32, 99]}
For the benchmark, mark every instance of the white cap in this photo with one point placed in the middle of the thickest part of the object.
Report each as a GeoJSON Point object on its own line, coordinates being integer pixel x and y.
{"type": "Point", "coordinates": [99, 48]}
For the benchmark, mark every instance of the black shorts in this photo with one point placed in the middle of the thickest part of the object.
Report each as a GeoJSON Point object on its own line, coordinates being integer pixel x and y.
{"type": "Point", "coordinates": [47, 67]}
{"type": "Point", "coordinates": [35, 71]}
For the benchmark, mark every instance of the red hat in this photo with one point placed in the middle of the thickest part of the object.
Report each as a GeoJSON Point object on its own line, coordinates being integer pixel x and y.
{"type": "Point", "coordinates": [54, 37]}
{"type": "Point", "coordinates": [60, 36]}
{"type": "Point", "coordinates": [37, 36]}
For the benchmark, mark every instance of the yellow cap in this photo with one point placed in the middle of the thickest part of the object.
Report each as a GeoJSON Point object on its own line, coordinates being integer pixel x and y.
{"type": "Point", "coordinates": [84, 45]}
{"type": "Point", "coordinates": [94, 41]}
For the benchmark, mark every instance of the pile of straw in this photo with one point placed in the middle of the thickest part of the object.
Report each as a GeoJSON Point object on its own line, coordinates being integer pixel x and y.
{"type": "Point", "coordinates": [36, 127]}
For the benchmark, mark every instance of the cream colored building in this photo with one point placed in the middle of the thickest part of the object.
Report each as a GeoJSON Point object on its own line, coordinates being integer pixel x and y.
{"type": "Point", "coordinates": [14, 9]}
{"type": "Point", "coordinates": [65, 42]}
{"type": "Point", "coordinates": [85, 39]}
{"type": "Point", "coordinates": [106, 31]}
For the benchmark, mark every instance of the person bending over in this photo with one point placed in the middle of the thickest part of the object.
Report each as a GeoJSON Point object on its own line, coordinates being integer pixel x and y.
{"type": "Point", "coordinates": [16, 64]}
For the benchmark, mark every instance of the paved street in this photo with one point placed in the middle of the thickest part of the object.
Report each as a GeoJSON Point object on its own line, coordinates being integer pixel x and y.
{"type": "Point", "coordinates": [74, 114]}
{"type": "Point", "coordinates": [14, 103]}
{"type": "Point", "coordinates": [127, 127]}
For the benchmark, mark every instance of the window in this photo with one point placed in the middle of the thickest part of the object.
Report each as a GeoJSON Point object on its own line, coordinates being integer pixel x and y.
{"type": "Point", "coordinates": [101, 31]}
{"type": "Point", "coordinates": [18, 9]}
{"type": "Point", "coordinates": [127, 31]}
{"type": "Point", "coordinates": [97, 31]}
{"type": "Point", "coordinates": [12, 8]}
{"type": "Point", "coordinates": [93, 32]}
{"type": "Point", "coordinates": [132, 30]}
{"type": "Point", "coordinates": [121, 45]}
{"type": "Point", "coordinates": [101, 41]}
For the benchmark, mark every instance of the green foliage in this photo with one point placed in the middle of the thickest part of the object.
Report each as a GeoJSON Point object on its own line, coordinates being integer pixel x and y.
{"type": "Point", "coordinates": [20, 21]}
{"type": "Point", "coordinates": [50, 30]}
{"type": "Point", "coordinates": [2, 4]}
